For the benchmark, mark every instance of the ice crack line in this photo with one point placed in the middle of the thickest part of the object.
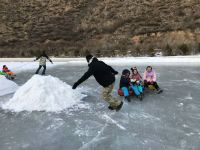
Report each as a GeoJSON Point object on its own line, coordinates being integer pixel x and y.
{"type": "Point", "coordinates": [110, 120]}
{"type": "Point", "coordinates": [95, 140]}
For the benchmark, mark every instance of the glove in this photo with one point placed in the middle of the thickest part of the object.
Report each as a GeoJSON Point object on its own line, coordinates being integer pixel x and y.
{"type": "Point", "coordinates": [74, 86]}
{"type": "Point", "coordinates": [133, 80]}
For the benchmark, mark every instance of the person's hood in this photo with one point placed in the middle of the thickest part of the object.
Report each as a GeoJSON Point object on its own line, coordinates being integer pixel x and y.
{"type": "Point", "coordinates": [92, 60]}
{"type": "Point", "coordinates": [125, 71]}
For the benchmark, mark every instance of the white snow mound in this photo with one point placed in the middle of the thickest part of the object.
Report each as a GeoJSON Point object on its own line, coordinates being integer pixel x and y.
{"type": "Point", "coordinates": [44, 93]}
{"type": "Point", "coordinates": [7, 86]}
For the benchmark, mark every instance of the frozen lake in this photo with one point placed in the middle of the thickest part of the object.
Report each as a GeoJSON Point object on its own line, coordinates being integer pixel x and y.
{"type": "Point", "coordinates": [169, 121]}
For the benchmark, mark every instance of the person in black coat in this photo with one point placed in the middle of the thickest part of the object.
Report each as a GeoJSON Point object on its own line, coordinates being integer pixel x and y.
{"type": "Point", "coordinates": [105, 76]}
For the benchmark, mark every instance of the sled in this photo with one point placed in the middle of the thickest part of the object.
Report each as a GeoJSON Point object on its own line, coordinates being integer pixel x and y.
{"type": "Point", "coordinates": [120, 92]}
{"type": "Point", "coordinates": [8, 75]}
{"type": "Point", "coordinates": [151, 87]}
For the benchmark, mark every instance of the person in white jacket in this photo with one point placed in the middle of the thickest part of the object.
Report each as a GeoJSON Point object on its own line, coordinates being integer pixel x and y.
{"type": "Point", "coordinates": [42, 62]}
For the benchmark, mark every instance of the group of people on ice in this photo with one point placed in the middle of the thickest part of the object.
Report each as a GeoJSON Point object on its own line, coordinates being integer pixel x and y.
{"type": "Point", "coordinates": [132, 82]}
{"type": "Point", "coordinates": [42, 63]}
{"type": "Point", "coordinates": [105, 76]}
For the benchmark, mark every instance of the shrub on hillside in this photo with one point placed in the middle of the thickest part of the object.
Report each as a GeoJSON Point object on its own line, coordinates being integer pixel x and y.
{"type": "Point", "coordinates": [184, 49]}
{"type": "Point", "coordinates": [168, 51]}
{"type": "Point", "coordinates": [198, 48]}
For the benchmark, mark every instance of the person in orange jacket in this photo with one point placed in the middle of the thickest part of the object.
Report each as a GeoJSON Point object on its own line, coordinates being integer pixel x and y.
{"type": "Point", "coordinates": [9, 74]}
{"type": "Point", "coordinates": [6, 70]}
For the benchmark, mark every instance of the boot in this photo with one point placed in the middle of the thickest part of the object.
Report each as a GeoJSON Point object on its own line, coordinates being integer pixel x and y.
{"type": "Point", "coordinates": [159, 91]}
{"type": "Point", "coordinates": [110, 107]}
{"type": "Point", "coordinates": [119, 106]}
{"type": "Point", "coordinates": [128, 98]}
{"type": "Point", "coordinates": [140, 97]}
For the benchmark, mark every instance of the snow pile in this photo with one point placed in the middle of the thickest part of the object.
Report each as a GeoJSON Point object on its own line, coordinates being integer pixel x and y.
{"type": "Point", "coordinates": [7, 86]}
{"type": "Point", "coordinates": [44, 93]}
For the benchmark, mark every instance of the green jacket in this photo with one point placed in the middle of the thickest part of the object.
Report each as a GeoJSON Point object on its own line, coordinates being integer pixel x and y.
{"type": "Point", "coordinates": [2, 73]}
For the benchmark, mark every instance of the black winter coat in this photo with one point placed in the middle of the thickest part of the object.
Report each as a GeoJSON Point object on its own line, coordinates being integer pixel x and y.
{"type": "Point", "coordinates": [124, 82]}
{"type": "Point", "coordinates": [103, 73]}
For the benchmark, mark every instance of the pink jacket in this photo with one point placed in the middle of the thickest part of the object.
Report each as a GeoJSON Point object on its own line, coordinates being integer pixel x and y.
{"type": "Point", "coordinates": [149, 76]}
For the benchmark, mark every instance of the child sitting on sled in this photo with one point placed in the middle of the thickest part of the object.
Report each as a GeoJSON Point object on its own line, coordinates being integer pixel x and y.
{"type": "Point", "coordinates": [150, 79]}
{"type": "Point", "coordinates": [124, 84]}
{"type": "Point", "coordinates": [136, 82]}
{"type": "Point", "coordinates": [10, 74]}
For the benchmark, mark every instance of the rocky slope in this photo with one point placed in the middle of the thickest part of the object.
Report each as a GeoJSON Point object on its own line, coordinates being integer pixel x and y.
{"type": "Point", "coordinates": [104, 27]}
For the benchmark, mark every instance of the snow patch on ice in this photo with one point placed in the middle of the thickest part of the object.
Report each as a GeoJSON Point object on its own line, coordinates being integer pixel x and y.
{"type": "Point", "coordinates": [185, 126]}
{"type": "Point", "coordinates": [44, 93]}
{"type": "Point", "coordinates": [186, 97]}
{"type": "Point", "coordinates": [189, 134]}
{"type": "Point", "coordinates": [140, 116]}
{"type": "Point", "coordinates": [189, 97]}
{"type": "Point", "coordinates": [7, 86]}
{"type": "Point", "coordinates": [180, 104]}
{"type": "Point", "coordinates": [88, 128]}
{"type": "Point", "coordinates": [56, 124]}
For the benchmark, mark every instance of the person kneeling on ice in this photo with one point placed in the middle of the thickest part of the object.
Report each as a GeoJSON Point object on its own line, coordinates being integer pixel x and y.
{"type": "Point", "coordinates": [105, 76]}
{"type": "Point", "coordinates": [136, 83]}
{"type": "Point", "coordinates": [42, 62]}
{"type": "Point", "coordinates": [150, 79]}
{"type": "Point", "coordinates": [124, 84]}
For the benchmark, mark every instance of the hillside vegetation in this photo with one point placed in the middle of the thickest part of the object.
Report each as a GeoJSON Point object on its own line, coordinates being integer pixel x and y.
{"type": "Point", "coordinates": [103, 27]}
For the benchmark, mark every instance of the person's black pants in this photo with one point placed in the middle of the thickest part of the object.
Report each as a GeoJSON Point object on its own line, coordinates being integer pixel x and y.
{"type": "Point", "coordinates": [44, 69]}
{"type": "Point", "coordinates": [146, 84]}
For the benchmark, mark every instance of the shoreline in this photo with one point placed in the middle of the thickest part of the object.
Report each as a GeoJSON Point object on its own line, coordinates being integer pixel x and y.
{"type": "Point", "coordinates": [171, 60]}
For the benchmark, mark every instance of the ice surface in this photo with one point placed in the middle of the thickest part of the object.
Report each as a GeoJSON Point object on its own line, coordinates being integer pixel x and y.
{"type": "Point", "coordinates": [43, 93]}
{"type": "Point", "coordinates": [7, 86]}
{"type": "Point", "coordinates": [22, 64]}
{"type": "Point", "coordinates": [168, 121]}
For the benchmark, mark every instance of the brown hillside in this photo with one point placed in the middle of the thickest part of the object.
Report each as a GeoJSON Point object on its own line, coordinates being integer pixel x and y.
{"type": "Point", "coordinates": [105, 27]}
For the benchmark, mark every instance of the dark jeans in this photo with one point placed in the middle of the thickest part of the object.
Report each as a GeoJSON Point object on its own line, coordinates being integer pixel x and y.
{"type": "Point", "coordinates": [146, 84]}
{"type": "Point", "coordinates": [44, 69]}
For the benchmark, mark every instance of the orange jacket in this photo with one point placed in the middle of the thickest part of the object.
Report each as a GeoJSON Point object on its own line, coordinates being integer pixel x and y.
{"type": "Point", "coordinates": [6, 70]}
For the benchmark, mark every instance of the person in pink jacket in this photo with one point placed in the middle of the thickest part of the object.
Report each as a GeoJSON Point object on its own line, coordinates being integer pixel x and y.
{"type": "Point", "coordinates": [150, 78]}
